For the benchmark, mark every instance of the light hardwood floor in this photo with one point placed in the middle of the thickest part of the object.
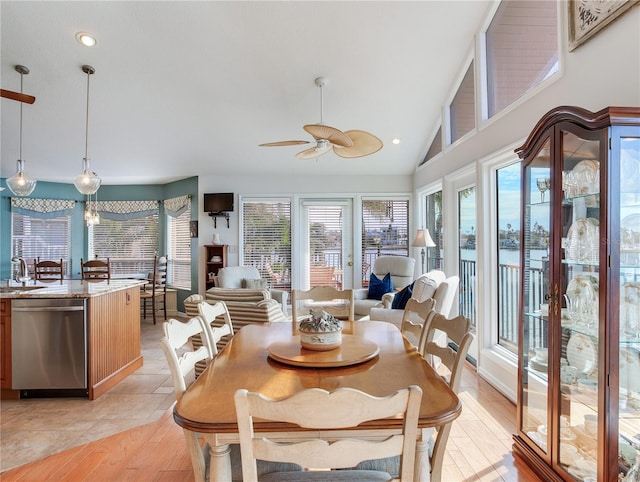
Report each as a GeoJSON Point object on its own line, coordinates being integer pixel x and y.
{"type": "Point", "coordinates": [479, 447]}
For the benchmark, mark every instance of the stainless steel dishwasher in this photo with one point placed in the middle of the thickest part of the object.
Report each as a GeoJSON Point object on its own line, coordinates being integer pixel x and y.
{"type": "Point", "coordinates": [49, 347]}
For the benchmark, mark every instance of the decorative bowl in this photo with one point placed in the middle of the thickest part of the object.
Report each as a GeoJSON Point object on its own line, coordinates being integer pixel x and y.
{"type": "Point", "coordinates": [320, 332]}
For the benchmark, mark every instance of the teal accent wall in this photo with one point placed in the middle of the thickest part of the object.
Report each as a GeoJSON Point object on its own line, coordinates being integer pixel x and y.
{"type": "Point", "coordinates": [131, 192]}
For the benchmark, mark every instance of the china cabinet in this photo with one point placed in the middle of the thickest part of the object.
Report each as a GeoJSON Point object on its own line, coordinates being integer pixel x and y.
{"type": "Point", "coordinates": [579, 330]}
{"type": "Point", "coordinates": [215, 258]}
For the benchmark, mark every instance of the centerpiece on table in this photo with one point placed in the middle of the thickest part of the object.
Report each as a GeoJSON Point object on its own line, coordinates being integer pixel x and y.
{"type": "Point", "coordinates": [320, 332]}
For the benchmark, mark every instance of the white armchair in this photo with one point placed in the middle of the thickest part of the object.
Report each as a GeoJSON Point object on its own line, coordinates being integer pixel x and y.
{"type": "Point", "coordinates": [401, 269]}
{"type": "Point", "coordinates": [247, 278]}
{"type": "Point", "coordinates": [433, 284]}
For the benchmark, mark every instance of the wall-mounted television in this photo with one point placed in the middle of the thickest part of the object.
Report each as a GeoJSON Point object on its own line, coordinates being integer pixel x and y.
{"type": "Point", "coordinates": [218, 202]}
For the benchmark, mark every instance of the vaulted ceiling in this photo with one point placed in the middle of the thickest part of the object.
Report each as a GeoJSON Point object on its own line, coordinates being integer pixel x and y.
{"type": "Point", "coordinates": [191, 88]}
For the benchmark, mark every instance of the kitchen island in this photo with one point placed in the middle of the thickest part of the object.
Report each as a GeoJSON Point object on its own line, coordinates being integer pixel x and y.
{"type": "Point", "coordinates": [111, 334]}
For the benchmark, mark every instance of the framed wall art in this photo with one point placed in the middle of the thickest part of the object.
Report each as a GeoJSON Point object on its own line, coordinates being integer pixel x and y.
{"type": "Point", "coordinates": [193, 228]}
{"type": "Point", "coordinates": [588, 17]}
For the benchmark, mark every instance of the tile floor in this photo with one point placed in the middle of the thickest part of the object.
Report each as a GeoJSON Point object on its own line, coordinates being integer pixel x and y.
{"type": "Point", "coordinates": [34, 428]}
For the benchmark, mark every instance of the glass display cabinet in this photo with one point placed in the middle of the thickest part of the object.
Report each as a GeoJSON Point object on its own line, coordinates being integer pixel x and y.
{"type": "Point", "coordinates": [579, 331]}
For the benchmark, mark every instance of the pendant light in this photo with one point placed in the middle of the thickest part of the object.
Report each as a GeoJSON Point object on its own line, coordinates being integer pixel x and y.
{"type": "Point", "coordinates": [91, 216]}
{"type": "Point", "coordinates": [20, 184]}
{"type": "Point", "coordinates": [87, 182]}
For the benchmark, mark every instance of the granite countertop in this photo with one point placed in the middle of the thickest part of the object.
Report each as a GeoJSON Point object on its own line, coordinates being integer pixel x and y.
{"type": "Point", "coordinates": [66, 288]}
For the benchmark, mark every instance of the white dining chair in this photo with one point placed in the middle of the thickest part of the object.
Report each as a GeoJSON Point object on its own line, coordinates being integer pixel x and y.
{"type": "Point", "coordinates": [322, 411]}
{"type": "Point", "coordinates": [451, 358]}
{"type": "Point", "coordinates": [414, 319]}
{"type": "Point", "coordinates": [182, 357]}
{"type": "Point", "coordinates": [219, 334]}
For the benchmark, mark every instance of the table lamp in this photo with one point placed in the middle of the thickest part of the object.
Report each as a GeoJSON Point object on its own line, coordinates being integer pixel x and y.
{"type": "Point", "coordinates": [423, 240]}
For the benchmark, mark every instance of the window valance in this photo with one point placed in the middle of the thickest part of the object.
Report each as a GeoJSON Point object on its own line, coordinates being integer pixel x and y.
{"type": "Point", "coordinates": [124, 210]}
{"type": "Point", "coordinates": [175, 206]}
{"type": "Point", "coordinates": [42, 208]}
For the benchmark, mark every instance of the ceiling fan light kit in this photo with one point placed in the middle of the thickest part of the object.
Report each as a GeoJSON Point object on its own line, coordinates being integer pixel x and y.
{"type": "Point", "coordinates": [347, 144]}
{"type": "Point", "coordinates": [19, 183]}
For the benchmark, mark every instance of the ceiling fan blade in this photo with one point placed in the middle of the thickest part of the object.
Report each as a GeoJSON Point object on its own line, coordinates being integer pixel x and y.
{"type": "Point", "coordinates": [283, 143]}
{"type": "Point", "coordinates": [364, 144]}
{"type": "Point", "coordinates": [331, 134]}
{"type": "Point", "coordinates": [313, 152]}
{"type": "Point", "coordinates": [9, 94]}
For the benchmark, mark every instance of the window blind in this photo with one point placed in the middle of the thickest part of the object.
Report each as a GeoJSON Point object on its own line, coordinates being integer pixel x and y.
{"type": "Point", "coordinates": [266, 237]}
{"type": "Point", "coordinates": [130, 244]}
{"type": "Point", "coordinates": [179, 241]}
{"type": "Point", "coordinates": [48, 239]}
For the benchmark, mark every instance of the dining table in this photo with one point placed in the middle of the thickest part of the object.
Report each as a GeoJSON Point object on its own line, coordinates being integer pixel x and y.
{"type": "Point", "coordinates": [267, 357]}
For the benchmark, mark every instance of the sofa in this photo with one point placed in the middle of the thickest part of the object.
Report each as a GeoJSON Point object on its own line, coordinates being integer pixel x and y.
{"type": "Point", "coordinates": [401, 269]}
{"type": "Point", "coordinates": [247, 279]}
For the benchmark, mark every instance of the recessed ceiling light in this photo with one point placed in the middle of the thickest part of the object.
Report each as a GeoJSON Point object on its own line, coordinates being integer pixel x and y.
{"type": "Point", "coordinates": [86, 39]}
{"type": "Point", "coordinates": [396, 140]}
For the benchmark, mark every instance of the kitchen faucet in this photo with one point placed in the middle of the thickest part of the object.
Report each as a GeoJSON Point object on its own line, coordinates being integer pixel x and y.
{"type": "Point", "coordinates": [23, 275]}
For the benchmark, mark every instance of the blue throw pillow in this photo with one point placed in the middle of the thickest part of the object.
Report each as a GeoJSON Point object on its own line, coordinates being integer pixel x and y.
{"type": "Point", "coordinates": [401, 297]}
{"type": "Point", "coordinates": [378, 287]}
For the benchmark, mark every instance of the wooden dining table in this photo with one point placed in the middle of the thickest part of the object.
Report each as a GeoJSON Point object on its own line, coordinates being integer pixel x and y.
{"type": "Point", "coordinates": [207, 407]}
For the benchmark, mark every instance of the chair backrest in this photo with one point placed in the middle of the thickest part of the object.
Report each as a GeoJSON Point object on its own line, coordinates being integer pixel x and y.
{"type": "Point", "coordinates": [401, 269]}
{"type": "Point", "coordinates": [95, 269]}
{"type": "Point", "coordinates": [181, 354]}
{"type": "Point", "coordinates": [209, 312]}
{"type": "Point", "coordinates": [322, 276]}
{"type": "Point", "coordinates": [458, 330]}
{"type": "Point", "coordinates": [337, 302]}
{"type": "Point", "coordinates": [48, 270]}
{"type": "Point", "coordinates": [321, 410]}
{"type": "Point", "coordinates": [436, 285]}
{"type": "Point", "coordinates": [411, 327]}
{"type": "Point", "coordinates": [158, 281]}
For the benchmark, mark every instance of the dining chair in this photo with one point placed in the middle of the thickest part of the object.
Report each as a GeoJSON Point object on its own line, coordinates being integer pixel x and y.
{"type": "Point", "coordinates": [458, 331]}
{"type": "Point", "coordinates": [337, 302]}
{"type": "Point", "coordinates": [219, 334]}
{"type": "Point", "coordinates": [183, 353]}
{"type": "Point", "coordinates": [156, 288]}
{"type": "Point", "coordinates": [321, 411]}
{"type": "Point", "coordinates": [95, 269]}
{"type": "Point", "coordinates": [48, 270]}
{"type": "Point", "coordinates": [414, 320]}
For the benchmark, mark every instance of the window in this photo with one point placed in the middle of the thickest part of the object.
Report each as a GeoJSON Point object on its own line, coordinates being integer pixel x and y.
{"type": "Point", "coordinates": [436, 146]}
{"type": "Point", "coordinates": [462, 112]}
{"type": "Point", "coordinates": [41, 228]}
{"type": "Point", "coordinates": [266, 239]}
{"type": "Point", "coordinates": [522, 50]}
{"type": "Point", "coordinates": [385, 228]}
{"type": "Point", "coordinates": [434, 225]}
{"type": "Point", "coordinates": [467, 253]}
{"type": "Point", "coordinates": [47, 239]}
{"type": "Point", "coordinates": [179, 250]}
{"type": "Point", "coordinates": [508, 189]}
{"type": "Point", "coordinates": [127, 235]}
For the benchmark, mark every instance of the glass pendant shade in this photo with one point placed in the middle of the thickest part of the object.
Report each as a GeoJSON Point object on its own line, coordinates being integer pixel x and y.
{"type": "Point", "coordinates": [87, 182]}
{"type": "Point", "coordinates": [19, 184]}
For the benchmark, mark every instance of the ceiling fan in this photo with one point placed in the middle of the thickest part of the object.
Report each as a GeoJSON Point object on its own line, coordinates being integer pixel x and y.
{"type": "Point", "coordinates": [348, 144]}
{"type": "Point", "coordinates": [19, 96]}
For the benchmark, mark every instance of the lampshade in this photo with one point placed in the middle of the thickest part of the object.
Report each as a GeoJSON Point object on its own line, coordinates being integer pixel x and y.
{"type": "Point", "coordinates": [87, 182]}
{"type": "Point", "coordinates": [20, 184]}
{"type": "Point", "coordinates": [423, 239]}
